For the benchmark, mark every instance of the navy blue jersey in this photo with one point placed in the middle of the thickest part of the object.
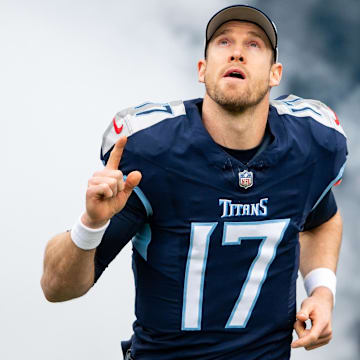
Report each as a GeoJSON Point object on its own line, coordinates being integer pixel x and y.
{"type": "Point", "coordinates": [216, 258]}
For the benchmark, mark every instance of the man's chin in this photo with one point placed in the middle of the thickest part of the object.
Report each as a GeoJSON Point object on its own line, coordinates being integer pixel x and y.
{"type": "Point", "coordinates": [234, 104]}
{"type": "Point", "coordinates": [235, 107]}
{"type": "Point", "coordinates": [237, 102]}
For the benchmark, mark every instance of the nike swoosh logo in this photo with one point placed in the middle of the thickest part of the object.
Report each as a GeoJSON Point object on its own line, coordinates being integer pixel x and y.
{"type": "Point", "coordinates": [337, 122]}
{"type": "Point", "coordinates": [118, 130]}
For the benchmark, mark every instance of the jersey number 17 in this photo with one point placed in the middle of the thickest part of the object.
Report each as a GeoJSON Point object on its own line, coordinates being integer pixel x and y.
{"type": "Point", "coordinates": [270, 232]}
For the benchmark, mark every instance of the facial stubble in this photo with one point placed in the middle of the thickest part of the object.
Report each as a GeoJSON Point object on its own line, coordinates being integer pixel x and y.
{"type": "Point", "coordinates": [239, 102]}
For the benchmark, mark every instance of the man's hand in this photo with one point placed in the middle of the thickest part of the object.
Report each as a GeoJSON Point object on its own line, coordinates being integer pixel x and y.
{"type": "Point", "coordinates": [318, 309]}
{"type": "Point", "coordinates": [107, 192]}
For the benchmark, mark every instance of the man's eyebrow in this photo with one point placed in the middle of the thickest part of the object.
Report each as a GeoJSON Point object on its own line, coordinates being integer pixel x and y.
{"type": "Point", "coordinates": [258, 35]}
{"type": "Point", "coordinates": [223, 32]}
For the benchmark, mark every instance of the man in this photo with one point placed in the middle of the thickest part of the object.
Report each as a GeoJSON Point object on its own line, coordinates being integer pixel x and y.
{"type": "Point", "coordinates": [228, 183]}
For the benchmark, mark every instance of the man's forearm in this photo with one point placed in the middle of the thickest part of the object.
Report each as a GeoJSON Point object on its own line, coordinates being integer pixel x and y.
{"type": "Point", "coordinates": [68, 270]}
{"type": "Point", "coordinates": [320, 247]}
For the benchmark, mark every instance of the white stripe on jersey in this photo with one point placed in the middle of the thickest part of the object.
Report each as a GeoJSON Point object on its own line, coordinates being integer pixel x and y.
{"type": "Point", "coordinates": [131, 120]}
{"type": "Point", "coordinates": [299, 107]}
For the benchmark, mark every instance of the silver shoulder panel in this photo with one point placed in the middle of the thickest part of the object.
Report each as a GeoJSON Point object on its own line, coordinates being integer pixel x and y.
{"type": "Point", "coordinates": [131, 120]}
{"type": "Point", "coordinates": [299, 107]}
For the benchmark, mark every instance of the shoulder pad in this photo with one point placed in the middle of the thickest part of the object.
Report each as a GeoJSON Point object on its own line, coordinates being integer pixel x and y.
{"type": "Point", "coordinates": [131, 120]}
{"type": "Point", "coordinates": [299, 107]}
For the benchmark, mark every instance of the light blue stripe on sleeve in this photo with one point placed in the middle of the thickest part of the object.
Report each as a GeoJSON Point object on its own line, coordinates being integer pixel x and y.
{"type": "Point", "coordinates": [339, 176]}
{"type": "Point", "coordinates": [144, 200]}
{"type": "Point", "coordinates": [142, 240]}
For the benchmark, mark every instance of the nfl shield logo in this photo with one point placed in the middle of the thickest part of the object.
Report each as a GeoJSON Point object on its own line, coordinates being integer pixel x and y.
{"type": "Point", "coordinates": [246, 179]}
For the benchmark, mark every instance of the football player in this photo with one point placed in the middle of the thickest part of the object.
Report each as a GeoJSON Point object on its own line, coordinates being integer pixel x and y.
{"type": "Point", "coordinates": [223, 198]}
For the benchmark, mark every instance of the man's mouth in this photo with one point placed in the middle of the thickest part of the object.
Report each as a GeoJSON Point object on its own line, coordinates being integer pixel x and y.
{"type": "Point", "coordinates": [238, 74]}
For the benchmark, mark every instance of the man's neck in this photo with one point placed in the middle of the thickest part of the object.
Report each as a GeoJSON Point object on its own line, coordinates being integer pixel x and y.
{"type": "Point", "coordinates": [241, 131]}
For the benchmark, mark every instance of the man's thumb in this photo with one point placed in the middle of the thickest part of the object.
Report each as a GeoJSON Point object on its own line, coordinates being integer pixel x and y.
{"type": "Point", "coordinates": [132, 180]}
{"type": "Point", "coordinates": [303, 314]}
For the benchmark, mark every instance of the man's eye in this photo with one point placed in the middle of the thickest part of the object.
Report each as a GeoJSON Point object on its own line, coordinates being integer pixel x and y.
{"type": "Point", "coordinates": [223, 42]}
{"type": "Point", "coordinates": [253, 44]}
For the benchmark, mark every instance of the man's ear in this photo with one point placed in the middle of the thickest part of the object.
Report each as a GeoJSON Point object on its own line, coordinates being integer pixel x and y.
{"type": "Point", "coordinates": [201, 70]}
{"type": "Point", "coordinates": [275, 74]}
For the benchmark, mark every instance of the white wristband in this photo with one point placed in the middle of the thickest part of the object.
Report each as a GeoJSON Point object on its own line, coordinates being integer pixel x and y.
{"type": "Point", "coordinates": [320, 277]}
{"type": "Point", "coordinates": [87, 238]}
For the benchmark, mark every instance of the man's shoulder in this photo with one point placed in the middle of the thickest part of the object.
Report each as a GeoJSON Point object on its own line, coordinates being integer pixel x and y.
{"type": "Point", "coordinates": [147, 122]}
{"type": "Point", "coordinates": [312, 112]}
{"type": "Point", "coordinates": [310, 122]}
{"type": "Point", "coordinates": [132, 120]}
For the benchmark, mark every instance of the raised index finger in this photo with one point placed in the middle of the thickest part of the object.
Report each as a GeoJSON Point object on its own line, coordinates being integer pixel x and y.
{"type": "Point", "coordinates": [116, 154]}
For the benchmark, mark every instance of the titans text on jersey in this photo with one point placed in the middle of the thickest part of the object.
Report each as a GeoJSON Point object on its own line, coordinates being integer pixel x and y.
{"type": "Point", "coordinates": [230, 209]}
{"type": "Point", "coordinates": [216, 259]}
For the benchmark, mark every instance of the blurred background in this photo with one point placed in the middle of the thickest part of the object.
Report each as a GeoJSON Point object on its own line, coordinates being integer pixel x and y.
{"type": "Point", "coordinates": [66, 67]}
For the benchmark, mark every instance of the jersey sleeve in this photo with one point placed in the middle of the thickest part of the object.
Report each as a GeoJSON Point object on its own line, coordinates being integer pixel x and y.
{"type": "Point", "coordinates": [132, 223]}
{"type": "Point", "coordinates": [133, 120]}
{"type": "Point", "coordinates": [331, 142]}
{"type": "Point", "coordinates": [135, 123]}
{"type": "Point", "coordinates": [324, 139]}
{"type": "Point", "coordinates": [123, 227]}
{"type": "Point", "coordinates": [325, 210]}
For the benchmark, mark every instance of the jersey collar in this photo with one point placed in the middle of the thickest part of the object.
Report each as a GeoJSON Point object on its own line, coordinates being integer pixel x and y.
{"type": "Point", "coordinates": [269, 153]}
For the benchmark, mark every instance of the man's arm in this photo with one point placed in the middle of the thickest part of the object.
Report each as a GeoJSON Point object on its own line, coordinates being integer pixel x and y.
{"type": "Point", "coordinates": [68, 269]}
{"type": "Point", "coordinates": [319, 248]}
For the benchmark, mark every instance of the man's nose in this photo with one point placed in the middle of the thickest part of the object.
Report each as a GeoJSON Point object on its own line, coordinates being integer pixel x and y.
{"type": "Point", "coordinates": [237, 56]}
